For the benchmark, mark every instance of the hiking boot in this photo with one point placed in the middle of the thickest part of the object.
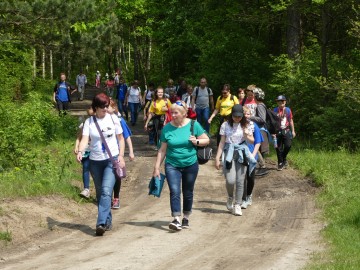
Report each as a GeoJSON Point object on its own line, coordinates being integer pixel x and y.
{"type": "Point", "coordinates": [85, 193]}
{"type": "Point", "coordinates": [237, 210]}
{"type": "Point", "coordinates": [116, 203]}
{"type": "Point", "coordinates": [229, 204]}
{"type": "Point", "coordinates": [100, 230]}
{"type": "Point", "coordinates": [249, 200]}
{"type": "Point", "coordinates": [185, 223]}
{"type": "Point", "coordinates": [280, 167]}
{"type": "Point", "coordinates": [261, 172]}
{"type": "Point", "coordinates": [286, 164]}
{"type": "Point", "coordinates": [175, 225]}
{"type": "Point", "coordinates": [108, 227]}
{"type": "Point", "coordinates": [244, 205]}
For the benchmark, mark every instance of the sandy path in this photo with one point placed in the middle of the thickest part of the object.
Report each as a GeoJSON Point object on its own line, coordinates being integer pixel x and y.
{"type": "Point", "coordinates": [279, 231]}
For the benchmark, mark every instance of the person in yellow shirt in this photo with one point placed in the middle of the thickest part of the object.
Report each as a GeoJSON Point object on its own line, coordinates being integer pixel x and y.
{"type": "Point", "coordinates": [157, 112]}
{"type": "Point", "coordinates": [223, 106]}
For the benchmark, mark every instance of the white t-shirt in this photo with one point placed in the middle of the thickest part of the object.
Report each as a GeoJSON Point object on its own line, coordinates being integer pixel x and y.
{"type": "Point", "coordinates": [134, 95]}
{"type": "Point", "coordinates": [148, 94]}
{"type": "Point", "coordinates": [110, 126]}
{"type": "Point", "coordinates": [234, 134]}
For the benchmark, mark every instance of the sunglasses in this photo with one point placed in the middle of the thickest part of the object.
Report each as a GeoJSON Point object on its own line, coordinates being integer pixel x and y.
{"type": "Point", "coordinates": [179, 103]}
{"type": "Point", "coordinates": [104, 106]}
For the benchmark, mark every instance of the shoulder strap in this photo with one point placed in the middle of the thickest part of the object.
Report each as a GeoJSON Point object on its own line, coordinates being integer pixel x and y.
{"type": "Point", "coordinates": [102, 138]}
{"type": "Point", "coordinates": [243, 101]}
{"type": "Point", "coordinates": [231, 97]}
{"type": "Point", "coordinates": [192, 127]}
{"type": "Point", "coordinates": [196, 93]}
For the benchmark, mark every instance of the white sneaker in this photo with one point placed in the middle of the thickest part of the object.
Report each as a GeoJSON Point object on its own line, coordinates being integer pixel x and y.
{"type": "Point", "coordinates": [229, 204]}
{"type": "Point", "coordinates": [244, 205]}
{"type": "Point", "coordinates": [249, 200]}
{"type": "Point", "coordinates": [237, 210]}
{"type": "Point", "coordinates": [85, 193]}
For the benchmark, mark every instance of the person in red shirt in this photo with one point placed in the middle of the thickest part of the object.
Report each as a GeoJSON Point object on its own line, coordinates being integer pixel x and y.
{"type": "Point", "coordinates": [110, 84]}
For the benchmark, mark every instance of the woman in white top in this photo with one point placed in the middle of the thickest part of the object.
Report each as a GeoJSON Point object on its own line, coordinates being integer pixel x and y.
{"type": "Point", "coordinates": [101, 167]}
{"type": "Point", "coordinates": [232, 144]}
{"type": "Point", "coordinates": [134, 100]}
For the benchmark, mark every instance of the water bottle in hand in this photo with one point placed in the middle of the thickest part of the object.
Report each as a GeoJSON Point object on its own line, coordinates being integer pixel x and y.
{"type": "Point", "coordinates": [275, 143]}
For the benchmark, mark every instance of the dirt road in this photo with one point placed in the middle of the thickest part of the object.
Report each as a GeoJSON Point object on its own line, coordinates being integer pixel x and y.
{"type": "Point", "coordinates": [279, 231]}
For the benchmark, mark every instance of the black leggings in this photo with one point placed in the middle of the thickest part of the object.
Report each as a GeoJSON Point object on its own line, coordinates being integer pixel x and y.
{"type": "Point", "coordinates": [117, 187]}
{"type": "Point", "coordinates": [158, 125]}
{"type": "Point", "coordinates": [284, 145]}
{"type": "Point", "coordinates": [249, 183]}
{"type": "Point", "coordinates": [218, 136]}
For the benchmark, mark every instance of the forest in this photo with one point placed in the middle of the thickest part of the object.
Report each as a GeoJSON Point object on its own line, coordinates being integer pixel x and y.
{"type": "Point", "coordinates": [307, 50]}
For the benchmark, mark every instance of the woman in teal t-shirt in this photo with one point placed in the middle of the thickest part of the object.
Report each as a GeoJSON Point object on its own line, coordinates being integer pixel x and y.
{"type": "Point", "coordinates": [181, 165]}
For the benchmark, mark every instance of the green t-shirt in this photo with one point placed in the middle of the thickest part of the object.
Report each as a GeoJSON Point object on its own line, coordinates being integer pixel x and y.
{"type": "Point", "coordinates": [180, 151]}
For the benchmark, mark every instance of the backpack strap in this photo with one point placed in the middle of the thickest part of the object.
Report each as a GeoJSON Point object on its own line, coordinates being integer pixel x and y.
{"type": "Point", "coordinates": [192, 127]}
{"type": "Point", "coordinates": [243, 101]}
{"type": "Point", "coordinates": [197, 92]}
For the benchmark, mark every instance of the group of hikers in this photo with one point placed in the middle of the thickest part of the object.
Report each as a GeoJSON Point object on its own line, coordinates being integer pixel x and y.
{"type": "Point", "coordinates": [177, 119]}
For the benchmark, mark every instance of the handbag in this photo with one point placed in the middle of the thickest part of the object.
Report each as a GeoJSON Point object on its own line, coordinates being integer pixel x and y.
{"type": "Point", "coordinates": [118, 171]}
{"type": "Point", "coordinates": [191, 114]}
{"type": "Point", "coordinates": [156, 185]}
{"type": "Point", "coordinates": [204, 153]}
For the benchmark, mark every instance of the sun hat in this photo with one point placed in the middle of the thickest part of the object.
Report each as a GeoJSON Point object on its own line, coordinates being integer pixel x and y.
{"type": "Point", "coordinates": [281, 97]}
{"type": "Point", "coordinates": [237, 110]}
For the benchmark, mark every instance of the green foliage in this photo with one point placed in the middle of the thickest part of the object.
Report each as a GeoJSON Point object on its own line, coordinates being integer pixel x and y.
{"type": "Point", "coordinates": [6, 236]}
{"type": "Point", "coordinates": [337, 172]}
{"type": "Point", "coordinates": [320, 106]}
{"type": "Point", "coordinates": [15, 69]}
{"type": "Point", "coordinates": [50, 169]}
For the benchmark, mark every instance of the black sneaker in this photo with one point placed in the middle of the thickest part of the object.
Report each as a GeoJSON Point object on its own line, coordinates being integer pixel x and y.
{"type": "Point", "coordinates": [280, 167]}
{"type": "Point", "coordinates": [185, 223]}
{"type": "Point", "coordinates": [286, 164]}
{"type": "Point", "coordinates": [175, 225]}
{"type": "Point", "coordinates": [100, 230]}
{"type": "Point", "coordinates": [261, 172]}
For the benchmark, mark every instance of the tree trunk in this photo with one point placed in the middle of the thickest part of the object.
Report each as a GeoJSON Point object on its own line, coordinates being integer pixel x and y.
{"type": "Point", "coordinates": [69, 69]}
{"type": "Point", "coordinates": [123, 54]}
{"type": "Point", "coordinates": [148, 60]}
{"type": "Point", "coordinates": [293, 30]}
{"type": "Point", "coordinates": [51, 66]}
{"type": "Point", "coordinates": [325, 19]}
{"type": "Point", "coordinates": [43, 63]}
{"type": "Point", "coordinates": [276, 37]}
{"type": "Point", "coordinates": [34, 63]}
{"type": "Point", "coordinates": [136, 57]}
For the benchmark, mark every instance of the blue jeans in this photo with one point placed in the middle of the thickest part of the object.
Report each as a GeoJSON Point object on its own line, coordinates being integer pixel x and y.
{"type": "Point", "coordinates": [181, 178]}
{"type": "Point", "coordinates": [122, 108]}
{"type": "Point", "coordinates": [202, 116]}
{"type": "Point", "coordinates": [134, 111]}
{"type": "Point", "coordinates": [104, 180]}
{"type": "Point", "coordinates": [86, 171]}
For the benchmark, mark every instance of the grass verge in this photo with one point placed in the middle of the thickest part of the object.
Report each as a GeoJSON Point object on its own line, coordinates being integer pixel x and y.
{"type": "Point", "coordinates": [51, 169]}
{"type": "Point", "coordinates": [338, 174]}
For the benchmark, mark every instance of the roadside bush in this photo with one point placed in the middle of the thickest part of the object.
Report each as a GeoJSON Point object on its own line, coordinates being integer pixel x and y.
{"type": "Point", "coordinates": [27, 125]}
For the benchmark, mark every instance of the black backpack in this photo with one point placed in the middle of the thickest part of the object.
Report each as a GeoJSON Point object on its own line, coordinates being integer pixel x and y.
{"type": "Point", "coordinates": [272, 122]}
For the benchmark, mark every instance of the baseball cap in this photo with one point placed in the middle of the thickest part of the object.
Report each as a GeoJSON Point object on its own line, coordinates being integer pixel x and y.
{"type": "Point", "coordinates": [237, 110]}
{"type": "Point", "coordinates": [281, 97]}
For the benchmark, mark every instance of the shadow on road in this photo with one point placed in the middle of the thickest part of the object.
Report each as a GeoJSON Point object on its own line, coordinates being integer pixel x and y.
{"type": "Point", "coordinates": [153, 224]}
{"type": "Point", "coordinates": [80, 227]}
